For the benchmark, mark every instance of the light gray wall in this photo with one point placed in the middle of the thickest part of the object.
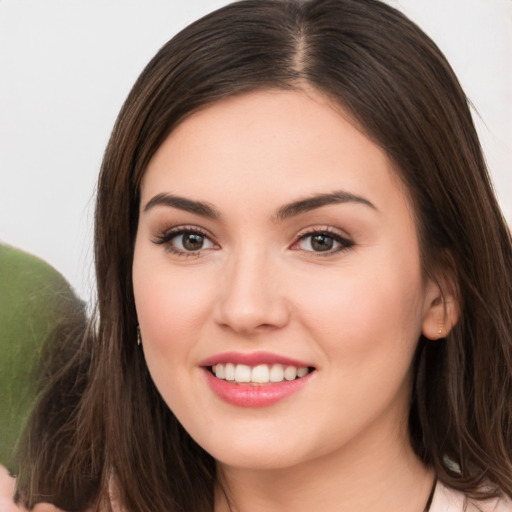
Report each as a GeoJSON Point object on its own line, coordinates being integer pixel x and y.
{"type": "Point", "coordinates": [67, 65]}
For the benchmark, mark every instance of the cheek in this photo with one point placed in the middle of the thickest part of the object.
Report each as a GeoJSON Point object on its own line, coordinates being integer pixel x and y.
{"type": "Point", "coordinates": [169, 300]}
{"type": "Point", "coordinates": [171, 310]}
{"type": "Point", "coordinates": [367, 324]}
{"type": "Point", "coordinates": [362, 310]}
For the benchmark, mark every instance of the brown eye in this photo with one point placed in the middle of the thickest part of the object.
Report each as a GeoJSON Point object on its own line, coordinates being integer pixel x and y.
{"type": "Point", "coordinates": [322, 242]}
{"type": "Point", "coordinates": [184, 241]}
{"type": "Point", "coordinates": [192, 241]}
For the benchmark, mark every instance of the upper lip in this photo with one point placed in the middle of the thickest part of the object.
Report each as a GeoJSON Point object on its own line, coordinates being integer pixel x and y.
{"type": "Point", "coordinates": [253, 359]}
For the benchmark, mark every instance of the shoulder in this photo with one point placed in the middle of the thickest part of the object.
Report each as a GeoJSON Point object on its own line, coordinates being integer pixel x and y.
{"type": "Point", "coordinates": [450, 500]}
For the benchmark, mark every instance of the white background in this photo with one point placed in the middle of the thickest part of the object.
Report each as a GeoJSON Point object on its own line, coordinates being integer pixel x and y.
{"type": "Point", "coordinates": [67, 65]}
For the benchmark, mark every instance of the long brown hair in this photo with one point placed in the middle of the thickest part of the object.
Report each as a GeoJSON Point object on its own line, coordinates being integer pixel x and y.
{"type": "Point", "coordinates": [116, 432]}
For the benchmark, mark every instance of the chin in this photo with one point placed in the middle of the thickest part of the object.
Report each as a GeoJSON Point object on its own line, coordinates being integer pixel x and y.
{"type": "Point", "coordinates": [260, 450]}
{"type": "Point", "coordinates": [258, 460]}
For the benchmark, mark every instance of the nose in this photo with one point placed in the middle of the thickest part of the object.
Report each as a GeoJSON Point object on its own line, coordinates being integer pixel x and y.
{"type": "Point", "coordinates": [251, 297]}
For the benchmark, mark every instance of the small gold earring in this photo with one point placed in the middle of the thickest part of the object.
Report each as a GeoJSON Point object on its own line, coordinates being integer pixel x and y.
{"type": "Point", "coordinates": [440, 332]}
{"type": "Point", "coordinates": [139, 337]}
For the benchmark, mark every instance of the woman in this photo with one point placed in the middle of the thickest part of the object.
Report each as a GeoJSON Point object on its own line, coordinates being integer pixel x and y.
{"type": "Point", "coordinates": [303, 280]}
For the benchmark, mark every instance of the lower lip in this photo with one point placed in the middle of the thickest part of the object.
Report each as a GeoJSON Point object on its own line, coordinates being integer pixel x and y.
{"type": "Point", "coordinates": [257, 395]}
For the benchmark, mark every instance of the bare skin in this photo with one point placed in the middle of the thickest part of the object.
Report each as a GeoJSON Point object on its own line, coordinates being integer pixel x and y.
{"type": "Point", "coordinates": [242, 272]}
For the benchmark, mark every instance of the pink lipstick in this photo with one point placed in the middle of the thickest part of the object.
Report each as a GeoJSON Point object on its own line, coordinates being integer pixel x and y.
{"type": "Point", "coordinates": [258, 379]}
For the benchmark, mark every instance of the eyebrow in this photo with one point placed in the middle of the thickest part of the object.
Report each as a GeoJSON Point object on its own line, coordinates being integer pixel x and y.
{"type": "Point", "coordinates": [182, 203]}
{"type": "Point", "coordinates": [285, 212]}
{"type": "Point", "coordinates": [317, 201]}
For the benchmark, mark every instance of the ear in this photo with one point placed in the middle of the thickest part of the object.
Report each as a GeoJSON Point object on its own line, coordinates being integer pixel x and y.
{"type": "Point", "coordinates": [441, 308]}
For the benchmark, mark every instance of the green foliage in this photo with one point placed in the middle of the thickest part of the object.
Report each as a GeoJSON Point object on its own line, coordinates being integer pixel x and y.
{"type": "Point", "coordinates": [31, 297]}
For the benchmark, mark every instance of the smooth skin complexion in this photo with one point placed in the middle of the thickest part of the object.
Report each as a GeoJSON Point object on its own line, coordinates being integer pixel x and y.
{"type": "Point", "coordinates": [271, 229]}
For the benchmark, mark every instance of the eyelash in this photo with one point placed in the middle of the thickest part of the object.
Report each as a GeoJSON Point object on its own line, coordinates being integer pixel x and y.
{"type": "Point", "coordinates": [166, 237]}
{"type": "Point", "coordinates": [344, 243]}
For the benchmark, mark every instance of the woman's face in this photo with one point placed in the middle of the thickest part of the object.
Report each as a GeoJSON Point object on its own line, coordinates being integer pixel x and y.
{"type": "Point", "coordinates": [276, 242]}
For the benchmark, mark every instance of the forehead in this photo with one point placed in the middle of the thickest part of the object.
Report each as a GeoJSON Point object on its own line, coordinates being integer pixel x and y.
{"type": "Point", "coordinates": [280, 143]}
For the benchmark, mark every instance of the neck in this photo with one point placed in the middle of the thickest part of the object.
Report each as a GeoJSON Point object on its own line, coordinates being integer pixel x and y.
{"type": "Point", "coordinates": [383, 476]}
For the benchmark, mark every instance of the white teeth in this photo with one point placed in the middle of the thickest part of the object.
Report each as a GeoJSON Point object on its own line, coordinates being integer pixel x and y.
{"type": "Point", "coordinates": [302, 372]}
{"type": "Point", "coordinates": [219, 371]}
{"type": "Point", "coordinates": [242, 373]}
{"type": "Point", "coordinates": [290, 373]}
{"type": "Point", "coordinates": [260, 374]}
{"type": "Point", "coordinates": [230, 371]}
{"type": "Point", "coordinates": [276, 373]}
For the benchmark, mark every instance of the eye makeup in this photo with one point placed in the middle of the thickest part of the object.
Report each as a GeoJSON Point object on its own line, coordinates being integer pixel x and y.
{"type": "Point", "coordinates": [322, 241]}
{"type": "Point", "coordinates": [185, 241]}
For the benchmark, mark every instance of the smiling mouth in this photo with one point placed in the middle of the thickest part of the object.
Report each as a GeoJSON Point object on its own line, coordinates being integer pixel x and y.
{"type": "Point", "coordinates": [260, 374]}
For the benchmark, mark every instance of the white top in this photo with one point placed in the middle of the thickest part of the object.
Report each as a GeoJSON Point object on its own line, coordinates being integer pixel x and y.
{"type": "Point", "coordinates": [449, 500]}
